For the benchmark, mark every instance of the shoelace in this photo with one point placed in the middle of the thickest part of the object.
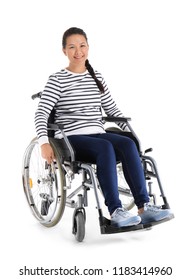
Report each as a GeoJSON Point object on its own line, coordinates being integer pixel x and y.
{"type": "Point", "coordinates": [121, 211]}
{"type": "Point", "coordinates": [153, 208]}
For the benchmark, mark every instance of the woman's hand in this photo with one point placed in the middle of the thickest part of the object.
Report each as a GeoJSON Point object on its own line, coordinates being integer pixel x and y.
{"type": "Point", "coordinates": [47, 153]}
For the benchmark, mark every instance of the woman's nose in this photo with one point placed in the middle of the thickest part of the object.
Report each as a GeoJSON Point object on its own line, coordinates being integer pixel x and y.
{"type": "Point", "coordinates": [78, 51]}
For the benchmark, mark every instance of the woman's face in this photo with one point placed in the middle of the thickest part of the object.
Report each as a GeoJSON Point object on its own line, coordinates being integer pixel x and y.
{"type": "Point", "coordinates": [76, 49]}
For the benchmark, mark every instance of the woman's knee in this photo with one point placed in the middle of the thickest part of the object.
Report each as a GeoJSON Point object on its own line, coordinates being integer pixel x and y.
{"type": "Point", "coordinates": [106, 150]}
{"type": "Point", "coordinates": [127, 143]}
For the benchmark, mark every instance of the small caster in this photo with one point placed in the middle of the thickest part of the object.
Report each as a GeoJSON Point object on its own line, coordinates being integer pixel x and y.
{"type": "Point", "coordinates": [79, 219]}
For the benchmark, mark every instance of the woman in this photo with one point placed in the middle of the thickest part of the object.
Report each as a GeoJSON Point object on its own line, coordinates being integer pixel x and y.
{"type": "Point", "coordinates": [78, 94]}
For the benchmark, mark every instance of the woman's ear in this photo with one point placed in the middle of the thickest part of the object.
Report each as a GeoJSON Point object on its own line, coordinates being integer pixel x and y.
{"type": "Point", "coordinates": [64, 51]}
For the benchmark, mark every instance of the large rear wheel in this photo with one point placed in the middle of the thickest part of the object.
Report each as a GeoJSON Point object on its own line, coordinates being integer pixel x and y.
{"type": "Point", "coordinates": [44, 185]}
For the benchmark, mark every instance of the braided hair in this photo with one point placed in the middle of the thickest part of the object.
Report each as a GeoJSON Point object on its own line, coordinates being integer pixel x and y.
{"type": "Point", "coordinates": [76, 30]}
{"type": "Point", "coordinates": [92, 73]}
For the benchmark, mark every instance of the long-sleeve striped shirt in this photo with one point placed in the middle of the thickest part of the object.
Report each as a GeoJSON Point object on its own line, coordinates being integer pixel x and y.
{"type": "Point", "coordinates": [77, 102]}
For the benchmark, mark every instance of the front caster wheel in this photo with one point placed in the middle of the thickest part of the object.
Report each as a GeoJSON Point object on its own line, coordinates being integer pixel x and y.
{"type": "Point", "coordinates": [79, 226]}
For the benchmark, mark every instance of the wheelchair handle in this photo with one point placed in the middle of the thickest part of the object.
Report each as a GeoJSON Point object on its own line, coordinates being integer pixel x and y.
{"type": "Point", "coordinates": [36, 95]}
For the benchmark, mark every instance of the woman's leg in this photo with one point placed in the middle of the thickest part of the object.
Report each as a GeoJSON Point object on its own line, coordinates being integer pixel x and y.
{"type": "Point", "coordinates": [91, 148]}
{"type": "Point", "coordinates": [126, 151]}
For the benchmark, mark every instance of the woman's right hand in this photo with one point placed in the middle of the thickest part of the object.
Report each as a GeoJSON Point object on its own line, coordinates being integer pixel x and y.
{"type": "Point", "coordinates": [47, 153]}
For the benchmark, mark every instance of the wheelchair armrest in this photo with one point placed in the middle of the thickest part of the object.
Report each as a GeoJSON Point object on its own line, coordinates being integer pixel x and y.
{"type": "Point", "coordinates": [131, 132]}
{"type": "Point", "coordinates": [116, 119]}
{"type": "Point", "coordinates": [52, 127]}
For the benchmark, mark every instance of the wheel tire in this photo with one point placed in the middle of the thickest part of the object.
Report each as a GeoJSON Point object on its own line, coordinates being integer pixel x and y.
{"type": "Point", "coordinates": [32, 173]}
{"type": "Point", "coordinates": [79, 226]}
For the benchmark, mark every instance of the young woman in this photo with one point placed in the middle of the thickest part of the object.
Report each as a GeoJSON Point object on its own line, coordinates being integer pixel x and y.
{"type": "Point", "coordinates": [79, 94]}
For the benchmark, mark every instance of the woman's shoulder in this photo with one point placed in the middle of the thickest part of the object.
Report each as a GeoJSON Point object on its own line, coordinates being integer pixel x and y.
{"type": "Point", "coordinates": [60, 73]}
{"type": "Point", "coordinates": [98, 74]}
{"type": "Point", "coordinates": [60, 76]}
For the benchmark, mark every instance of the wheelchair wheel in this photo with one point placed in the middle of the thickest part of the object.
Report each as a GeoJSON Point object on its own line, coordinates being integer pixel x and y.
{"type": "Point", "coordinates": [79, 225]}
{"type": "Point", "coordinates": [43, 185]}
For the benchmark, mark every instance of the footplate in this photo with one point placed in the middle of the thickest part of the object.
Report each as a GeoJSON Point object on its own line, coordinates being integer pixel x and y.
{"type": "Point", "coordinates": [107, 228]}
{"type": "Point", "coordinates": [159, 222]}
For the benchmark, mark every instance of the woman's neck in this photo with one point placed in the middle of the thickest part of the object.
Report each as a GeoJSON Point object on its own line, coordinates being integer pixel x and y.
{"type": "Point", "coordinates": [76, 69]}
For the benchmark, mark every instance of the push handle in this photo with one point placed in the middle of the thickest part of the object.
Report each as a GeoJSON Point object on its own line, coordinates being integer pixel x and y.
{"type": "Point", "coordinates": [36, 95]}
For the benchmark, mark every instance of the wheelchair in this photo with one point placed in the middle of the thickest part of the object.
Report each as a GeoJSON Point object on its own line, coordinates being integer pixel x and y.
{"type": "Point", "coordinates": [49, 187]}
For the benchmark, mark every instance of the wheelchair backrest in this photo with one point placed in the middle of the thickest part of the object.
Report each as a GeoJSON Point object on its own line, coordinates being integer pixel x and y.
{"type": "Point", "coordinates": [51, 133]}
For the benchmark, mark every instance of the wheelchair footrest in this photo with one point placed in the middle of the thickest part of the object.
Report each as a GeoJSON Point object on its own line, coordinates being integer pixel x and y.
{"type": "Point", "coordinates": [107, 228]}
{"type": "Point", "coordinates": [159, 222]}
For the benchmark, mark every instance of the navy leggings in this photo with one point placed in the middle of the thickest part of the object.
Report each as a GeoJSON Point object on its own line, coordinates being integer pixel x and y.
{"type": "Point", "coordinates": [103, 149]}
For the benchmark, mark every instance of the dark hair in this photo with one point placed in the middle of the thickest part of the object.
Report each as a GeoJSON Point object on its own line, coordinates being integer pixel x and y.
{"type": "Point", "coordinates": [92, 73]}
{"type": "Point", "coordinates": [72, 31]}
{"type": "Point", "coordinates": [76, 30]}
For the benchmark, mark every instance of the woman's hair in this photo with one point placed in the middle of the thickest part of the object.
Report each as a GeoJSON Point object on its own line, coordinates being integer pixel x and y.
{"type": "Point", "coordinates": [76, 30]}
{"type": "Point", "coordinates": [72, 31]}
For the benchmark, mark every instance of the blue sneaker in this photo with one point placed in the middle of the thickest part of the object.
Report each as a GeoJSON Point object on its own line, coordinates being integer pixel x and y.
{"type": "Point", "coordinates": [123, 218]}
{"type": "Point", "coordinates": [153, 213]}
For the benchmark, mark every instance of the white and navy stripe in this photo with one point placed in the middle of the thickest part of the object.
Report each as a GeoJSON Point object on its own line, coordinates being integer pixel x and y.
{"type": "Point", "coordinates": [77, 102]}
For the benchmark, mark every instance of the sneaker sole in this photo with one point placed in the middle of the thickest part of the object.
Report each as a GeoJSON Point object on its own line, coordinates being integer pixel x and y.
{"type": "Point", "coordinates": [148, 224]}
{"type": "Point", "coordinates": [124, 224]}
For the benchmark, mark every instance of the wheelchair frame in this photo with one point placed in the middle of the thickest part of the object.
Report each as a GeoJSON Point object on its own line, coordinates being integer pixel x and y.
{"type": "Point", "coordinates": [58, 179]}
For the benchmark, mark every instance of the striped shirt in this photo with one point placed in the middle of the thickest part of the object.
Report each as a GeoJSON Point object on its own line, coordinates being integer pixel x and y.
{"type": "Point", "coordinates": [77, 102]}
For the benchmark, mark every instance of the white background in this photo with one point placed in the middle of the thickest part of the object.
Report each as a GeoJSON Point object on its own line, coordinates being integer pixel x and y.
{"type": "Point", "coordinates": [142, 50]}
